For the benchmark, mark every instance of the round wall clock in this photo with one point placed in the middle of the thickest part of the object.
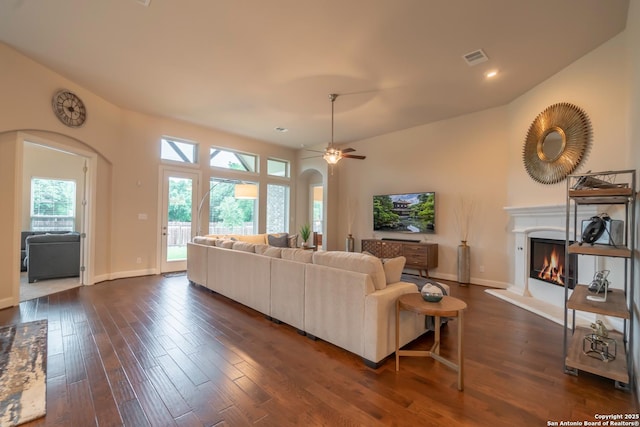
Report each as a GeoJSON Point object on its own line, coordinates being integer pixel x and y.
{"type": "Point", "coordinates": [69, 109]}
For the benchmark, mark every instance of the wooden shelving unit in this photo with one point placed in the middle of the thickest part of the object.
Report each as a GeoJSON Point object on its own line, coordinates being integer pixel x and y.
{"type": "Point", "coordinates": [604, 188]}
{"type": "Point", "coordinates": [615, 369]}
{"type": "Point", "coordinates": [616, 304]}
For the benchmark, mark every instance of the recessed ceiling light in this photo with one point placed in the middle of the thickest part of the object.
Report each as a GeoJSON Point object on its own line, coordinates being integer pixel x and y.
{"type": "Point", "coordinates": [490, 74]}
{"type": "Point", "coordinates": [281, 129]}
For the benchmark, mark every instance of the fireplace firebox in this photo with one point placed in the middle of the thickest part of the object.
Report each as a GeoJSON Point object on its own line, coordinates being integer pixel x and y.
{"type": "Point", "coordinates": [548, 263]}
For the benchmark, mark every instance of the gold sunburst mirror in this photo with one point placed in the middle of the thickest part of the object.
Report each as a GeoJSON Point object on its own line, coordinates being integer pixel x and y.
{"type": "Point", "coordinates": [557, 141]}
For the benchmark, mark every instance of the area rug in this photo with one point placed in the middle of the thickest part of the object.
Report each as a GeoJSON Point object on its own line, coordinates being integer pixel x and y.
{"type": "Point", "coordinates": [23, 372]}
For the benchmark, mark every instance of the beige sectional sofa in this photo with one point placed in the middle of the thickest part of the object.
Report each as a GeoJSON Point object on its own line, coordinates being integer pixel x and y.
{"type": "Point", "coordinates": [347, 299]}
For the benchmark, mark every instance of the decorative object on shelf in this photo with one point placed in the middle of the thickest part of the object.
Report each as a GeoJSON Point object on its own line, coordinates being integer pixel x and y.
{"type": "Point", "coordinates": [464, 263]}
{"type": "Point", "coordinates": [598, 344]}
{"type": "Point", "coordinates": [69, 108]}
{"type": "Point", "coordinates": [349, 243]}
{"type": "Point", "coordinates": [305, 233]}
{"type": "Point", "coordinates": [594, 229]}
{"type": "Point", "coordinates": [594, 181]}
{"type": "Point", "coordinates": [599, 285]}
{"type": "Point", "coordinates": [431, 293]}
{"type": "Point", "coordinates": [599, 329]}
{"type": "Point", "coordinates": [603, 230]}
{"type": "Point", "coordinates": [557, 141]}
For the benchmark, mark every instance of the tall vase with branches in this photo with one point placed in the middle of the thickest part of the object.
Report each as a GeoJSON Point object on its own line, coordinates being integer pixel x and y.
{"type": "Point", "coordinates": [352, 208]}
{"type": "Point", "coordinates": [463, 214]}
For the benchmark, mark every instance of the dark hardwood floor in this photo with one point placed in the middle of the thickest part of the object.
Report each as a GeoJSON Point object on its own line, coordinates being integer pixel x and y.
{"type": "Point", "coordinates": [158, 351]}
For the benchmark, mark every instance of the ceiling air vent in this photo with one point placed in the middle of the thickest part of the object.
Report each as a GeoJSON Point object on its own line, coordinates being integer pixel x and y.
{"type": "Point", "coordinates": [476, 57]}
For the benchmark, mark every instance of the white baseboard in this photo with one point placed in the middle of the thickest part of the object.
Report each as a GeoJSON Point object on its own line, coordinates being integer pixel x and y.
{"type": "Point", "coordinates": [6, 302]}
{"type": "Point", "coordinates": [474, 280]}
{"type": "Point", "coordinates": [541, 308]}
{"type": "Point", "coordinates": [124, 275]}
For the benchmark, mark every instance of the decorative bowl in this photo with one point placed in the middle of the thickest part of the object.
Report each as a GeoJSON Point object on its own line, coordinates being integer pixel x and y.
{"type": "Point", "coordinates": [431, 293]}
{"type": "Point", "coordinates": [431, 297]}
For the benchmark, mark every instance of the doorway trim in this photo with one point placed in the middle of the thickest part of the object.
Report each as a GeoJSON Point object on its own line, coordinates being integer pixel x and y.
{"type": "Point", "coordinates": [88, 223]}
{"type": "Point", "coordinates": [196, 193]}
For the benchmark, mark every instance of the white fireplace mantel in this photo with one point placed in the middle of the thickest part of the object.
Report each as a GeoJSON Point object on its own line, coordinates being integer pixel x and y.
{"type": "Point", "coordinates": [547, 222]}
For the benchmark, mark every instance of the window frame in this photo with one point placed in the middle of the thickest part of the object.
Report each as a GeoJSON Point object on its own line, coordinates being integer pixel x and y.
{"type": "Point", "coordinates": [233, 181]}
{"type": "Point", "coordinates": [196, 151]}
{"type": "Point", "coordinates": [287, 207]}
{"type": "Point", "coordinates": [287, 164]}
{"type": "Point", "coordinates": [236, 153]}
{"type": "Point", "coordinates": [74, 205]}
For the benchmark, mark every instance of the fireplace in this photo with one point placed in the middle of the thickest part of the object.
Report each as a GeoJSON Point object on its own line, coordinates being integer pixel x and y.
{"type": "Point", "coordinates": [548, 262]}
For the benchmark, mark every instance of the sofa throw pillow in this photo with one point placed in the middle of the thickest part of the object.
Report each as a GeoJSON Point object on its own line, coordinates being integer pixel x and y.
{"type": "Point", "coordinates": [252, 238]}
{"type": "Point", "coordinates": [261, 248]}
{"type": "Point", "coordinates": [353, 261]}
{"type": "Point", "coordinates": [393, 268]}
{"type": "Point", "coordinates": [227, 244]}
{"type": "Point", "coordinates": [244, 246]}
{"type": "Point", "coordinates": [299, 255]}
{"type": "Point", "coordinates": [293, 240]}
{"type": "Point", "coordinates": [273, 252]}
{"type": "Point", "coordinates": [201, 240]}
{"type": "Point", "coordinates": [279, 240]}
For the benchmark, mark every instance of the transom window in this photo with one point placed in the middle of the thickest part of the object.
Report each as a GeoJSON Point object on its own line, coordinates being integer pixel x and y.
{"type": "Point", "coordinates": [53, 204]}
{"type": "Point", "coordinates": [278, 168]}
{"type": "Point", "coordinates": [229, 159]}
{"type": "Point", "coordinates": [178, 151]}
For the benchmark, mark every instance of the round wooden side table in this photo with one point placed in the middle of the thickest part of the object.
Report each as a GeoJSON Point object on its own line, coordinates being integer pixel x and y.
{"type": "Point", "coordinates": [447, 307]}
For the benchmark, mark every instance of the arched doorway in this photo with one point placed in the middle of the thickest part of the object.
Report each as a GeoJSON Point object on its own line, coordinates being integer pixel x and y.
{"type": "Point", "coordinates": [52, 165]}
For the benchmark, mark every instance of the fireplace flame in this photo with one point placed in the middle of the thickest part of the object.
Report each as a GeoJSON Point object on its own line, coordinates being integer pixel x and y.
{"type": "Point", "coordinates": [552, 270]}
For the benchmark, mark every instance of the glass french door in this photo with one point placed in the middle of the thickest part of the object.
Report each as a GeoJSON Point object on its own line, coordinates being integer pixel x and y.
{"type": "Point", "coordinates": [179, 210]}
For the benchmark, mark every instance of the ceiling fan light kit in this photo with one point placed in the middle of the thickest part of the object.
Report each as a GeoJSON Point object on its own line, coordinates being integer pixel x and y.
{"type": "Point", "coordinates": [332, 155]}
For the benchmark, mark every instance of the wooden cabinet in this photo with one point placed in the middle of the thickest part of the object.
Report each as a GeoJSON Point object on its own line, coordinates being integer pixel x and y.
{"type": "Point", "coordinates": [420, 256]}
{"type": "Point", "coordinates": [605, 190]}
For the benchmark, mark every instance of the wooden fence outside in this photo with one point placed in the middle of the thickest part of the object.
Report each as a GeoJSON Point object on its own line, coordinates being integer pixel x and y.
{"type": "Point", "coordinates": [179, 233]}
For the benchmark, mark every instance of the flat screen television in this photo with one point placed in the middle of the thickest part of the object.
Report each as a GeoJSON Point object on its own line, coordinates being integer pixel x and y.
{"type": "Point", "coordinates": [405, 213]}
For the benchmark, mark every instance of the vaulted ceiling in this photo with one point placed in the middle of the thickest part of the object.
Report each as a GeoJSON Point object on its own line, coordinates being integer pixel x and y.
{"type": "Point", "coordinates": [249, 66]}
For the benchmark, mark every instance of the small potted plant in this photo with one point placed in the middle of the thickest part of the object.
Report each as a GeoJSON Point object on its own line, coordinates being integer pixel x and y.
{"type": "Point", "coordinates": [305, 233]}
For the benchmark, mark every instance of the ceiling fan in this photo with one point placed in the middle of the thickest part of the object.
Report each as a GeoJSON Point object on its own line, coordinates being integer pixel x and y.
{"type": "Point", "coordinates": [331, 154]}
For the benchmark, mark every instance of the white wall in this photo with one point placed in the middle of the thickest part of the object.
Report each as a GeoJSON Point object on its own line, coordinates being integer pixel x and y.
{"type": "Point", "coordinates": [479, 157]}
{"type": "Point", "coordinates": [460, 159]}
{"type": "Point", "coordinates": [597, 84]}
{"type": "Point", "coordinates": [128, 147]}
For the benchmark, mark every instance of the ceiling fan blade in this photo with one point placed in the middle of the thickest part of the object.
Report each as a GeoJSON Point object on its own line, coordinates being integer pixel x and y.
{"type": "Point", "coordinates": [314, 151]}
{"type": "Point", "coordinates": [348, 150]}
{"type": "Point", "coordinates": [353, 156]}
